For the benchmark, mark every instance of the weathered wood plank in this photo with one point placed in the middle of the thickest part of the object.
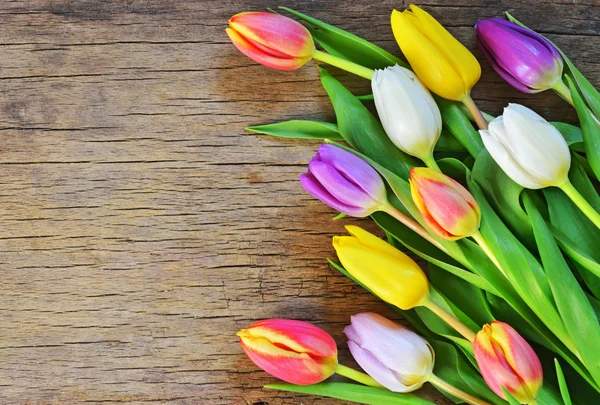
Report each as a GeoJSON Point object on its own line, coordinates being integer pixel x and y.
{"type": "Point", "coordinates": [142, 228]}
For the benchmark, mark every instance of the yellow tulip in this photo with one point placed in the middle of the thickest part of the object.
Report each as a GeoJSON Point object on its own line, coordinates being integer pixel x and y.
{"type": "Point", "coordinates": [441, 62]}
{"type": "Point", "coordinates": [387, 272]}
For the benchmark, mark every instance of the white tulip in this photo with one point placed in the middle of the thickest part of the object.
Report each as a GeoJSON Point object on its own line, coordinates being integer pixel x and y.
{"type": "Point", "coordinates": [393, 355]}
{"type": "Point", "coordinates": [407, 111]}
{"type": "Point", "coordinates": [528, 149]}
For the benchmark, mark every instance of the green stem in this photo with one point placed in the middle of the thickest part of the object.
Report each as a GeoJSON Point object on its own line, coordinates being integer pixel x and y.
{"type": "Point", "coordinates": [487, 250]}
{"type": "Point", "coordinates": [561, 88]}
{"type": "Point", "coordinates": [357, 376]}
{"type": "Point", "coordinates": [412, 225]}
{"type": "Point", "coordinates": [475, 112]}
{"type": "Point", "coordinates": [452, 390]}
{"type": "Point", "coordinates": [344, 64]}
{"type": "Point", "coordinates": [580, 201]}
{"type": "Point", "coordinates": [450, 319]}
{"type": "Point", "coordinates": [431, 163]}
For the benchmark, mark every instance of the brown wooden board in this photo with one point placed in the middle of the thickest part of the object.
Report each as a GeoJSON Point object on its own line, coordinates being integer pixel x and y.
{"type": "Point", "coordinates": [142, 227]}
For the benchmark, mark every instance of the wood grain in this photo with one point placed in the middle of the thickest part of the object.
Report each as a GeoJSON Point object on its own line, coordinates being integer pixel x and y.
{"type": "Point", "coordinates": [142, 227]}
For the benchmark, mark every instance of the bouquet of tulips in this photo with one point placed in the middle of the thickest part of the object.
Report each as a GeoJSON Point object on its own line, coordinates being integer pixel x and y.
{"type": "Point", "coordinates": [504, 210]}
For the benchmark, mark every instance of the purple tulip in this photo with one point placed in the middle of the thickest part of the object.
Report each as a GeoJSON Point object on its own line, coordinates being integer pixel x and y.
{"type": "Point", "coordinates": [393, 355]}
{"type": "Point", "coordinates": [525, 59]}
{"type": "Point", "coordinates": [344, 181]}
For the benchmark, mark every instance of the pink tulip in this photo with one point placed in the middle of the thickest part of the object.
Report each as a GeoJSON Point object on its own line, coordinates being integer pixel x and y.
{"type": "Point", "coordinates": [293, 351]}
{"type": "Point", "coordinates": [271, 39]}
{"type": "Point", "coordinates": [507, 361]}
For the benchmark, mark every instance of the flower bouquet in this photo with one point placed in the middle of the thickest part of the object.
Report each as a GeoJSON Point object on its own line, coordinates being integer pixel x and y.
{"type": "Point", "coordinates": [504, 211]}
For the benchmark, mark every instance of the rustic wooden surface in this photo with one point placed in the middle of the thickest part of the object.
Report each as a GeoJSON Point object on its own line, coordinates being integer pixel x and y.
{"type": "Point", "coordinates": [142, 227]}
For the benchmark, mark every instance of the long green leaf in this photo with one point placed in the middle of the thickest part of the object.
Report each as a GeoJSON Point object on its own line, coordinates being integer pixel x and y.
{"type": "Point", "coordinates": [521, 268]}
{"type": "Point", "coordinates": [460, 126]}
{"type": "Point", "coordinates": [299, 129]}
{"type": "Point", "coordinates": [360, 394]}
{"type": "Point", "coordinates": [590, 128]}
{"type": "Point", "coordinates": [562, 383]}
{"type": "Point", "coordinates": [572, 135]}
{"type": "Point", "coordinates": [573, 305]}
{"type": "Point", "coordinates": [346, 45]}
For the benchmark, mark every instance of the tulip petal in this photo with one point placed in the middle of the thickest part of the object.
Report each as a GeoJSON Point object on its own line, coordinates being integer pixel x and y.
{"type": "Point", "coordinates": [538, 146]}
{"type": "Point", "coordinates": [340, 187]}
{"type": "Point", "coordinates": [398, 348]}
{"type": "Point", "coordinates": [456, 54]}
{"type": "Point", "coordinates": [504, 159]}
{"type": "Point", "coordinates": [433, 225]}
{"type": "Point", "coordinates": [298, 336]}
{"type": "Point", "coordinates": [376, 244]}
{"type": "Point", "coordinates": [401, 283]}
{"type": "Point", "coordinates": [290, 367]}
{"type": "Point", "coordinates": [257, 54]}
{"type": "Point", "coordinates": [378, 370]}
{"type": "Point", "coordinates": [426, 59]}
{"type": "Point", "coordinates": [314, 188]}
{"type": "Point", "coordinates": [408, 113]}
{"type": "Point", "coordinates": [354, 169]}
{"type": "Point", "coordinates": [274, 31]}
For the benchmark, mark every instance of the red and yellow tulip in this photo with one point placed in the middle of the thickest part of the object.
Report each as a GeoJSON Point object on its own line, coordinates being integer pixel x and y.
{"type": "Point", "coordinates": [448, 208]}
{"type": "Point", "coordinates": [507, 361]}
{"type": "Point", "coordinates": [293, 351]}
{"type": "Point", "coordinates": [271, 39]}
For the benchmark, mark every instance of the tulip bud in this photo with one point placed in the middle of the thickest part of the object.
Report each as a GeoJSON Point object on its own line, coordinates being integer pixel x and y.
{"type": "Point", "coordinates": [525, 59]}
{"type": "Point", "coordinates": [293, 351]}
{"type": "Point", "coordinates": [446, 206]}
{"type": "Point", "coordinates": [408, 113]}
{"type": "Point", "coordinates": [529, 150]}
{"type": "Point", "coordinates": [271, 39]}
{"type": "Point", "coordinates": [442, 63]}
{"type": "Point", "coordinates": [507, 361]}
{"type": "Point", "coordinates": [387, 272]}
{"type": "Point", "coordinates": [393, 355]}
{"type": "Point", "coordinates": [344, 181]}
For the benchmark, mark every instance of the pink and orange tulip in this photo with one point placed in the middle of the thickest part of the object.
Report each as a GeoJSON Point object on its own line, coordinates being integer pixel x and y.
{"type": "Point", "coordinates": [507, 361]}
{"type": "Point", "coordinates": [448, 209]}
{"type": "Point", "coordinates": [293, 351]}
{"type": "Point", "coordinates": [271, 39]}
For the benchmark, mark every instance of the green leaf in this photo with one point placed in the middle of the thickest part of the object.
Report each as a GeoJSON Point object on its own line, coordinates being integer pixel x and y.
{"type": "Point", "coordinates": [448, 143]}
{"type": "Point", "coordinates": [590, 128]}
{"type": "Point", "coordinates": [363, 131]}
{"type": "Point", "coordinates": [573, 305]}
{"type": "Point", "coordinates": [299, 129]}
{"type": "Point", "coordinates": [572, 135]}
{"type": "Point", "coordinates": [460, 126]}
{"type": "Point", "coordinates": [521, 268]}
{"type": "Point", "coordinates": [346, 45]}
{"type": "Point", "coordinates": [504, 195]}
{"type": "Point", "coordinates": [564, 390]}
{"type": "Point", "coordinates": [353, 392]}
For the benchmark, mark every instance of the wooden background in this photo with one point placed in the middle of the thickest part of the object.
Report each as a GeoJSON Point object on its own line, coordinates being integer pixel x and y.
{"type": "Point", "coordinates": [141, 227]}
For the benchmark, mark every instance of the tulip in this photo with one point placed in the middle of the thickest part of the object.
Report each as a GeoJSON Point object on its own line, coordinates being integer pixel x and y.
{"type": "Point", "coordinates": [442, 63]}
{"type": "Point", "coordinates": [408, 113]}
{"type": "Point", "coordinates": [387, 272]}
{"type": "Point", "coordinates": [271, 39]}
{"type": "Point", "coordinates": [293, 351]}
{"type": "Point", "coordinates": [393, 355]}
{"type": "Point", "coordinates": [507, 361]}
{"type": "Point", "coordinates": [533, 154]}
{"type": "Point", "coordinates": [525, 59]}
{"type": "Point", "coordinates": [345, 182]}
{"type": "Point", "coordinates": [529, 150]}
{"type": "Point", "coordinates": [281, 43]}
{"type": "Point", "coordinates": [448, 208]}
